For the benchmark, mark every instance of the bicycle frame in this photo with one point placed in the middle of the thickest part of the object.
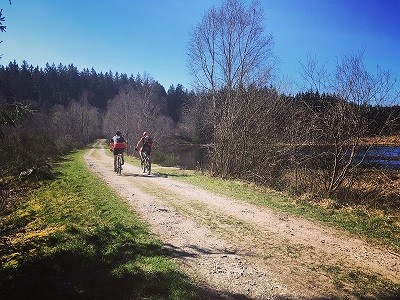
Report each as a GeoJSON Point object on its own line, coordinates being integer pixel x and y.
{"type": "Point", "coordinates": [146, 163]}
{"type": "Point", "coordinates": [119, 164]}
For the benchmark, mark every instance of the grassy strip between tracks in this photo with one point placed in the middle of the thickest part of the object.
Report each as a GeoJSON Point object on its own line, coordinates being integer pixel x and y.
{"type": "Point", "coordinates": [377, 226]}
{"type": "Point", "coordinates": [75, 238]}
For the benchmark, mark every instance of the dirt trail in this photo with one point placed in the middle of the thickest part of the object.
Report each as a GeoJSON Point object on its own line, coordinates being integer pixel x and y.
{"type": "Point", "coordinates": [242, 251]}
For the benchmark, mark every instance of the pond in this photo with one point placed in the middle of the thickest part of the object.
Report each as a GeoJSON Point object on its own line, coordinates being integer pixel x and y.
{"type": "Point", "coordinates": [383, 156]}
{"type": "Point", "coordinates": [197, 157]}
{"type": "Point", "coordinates": [194, 157]}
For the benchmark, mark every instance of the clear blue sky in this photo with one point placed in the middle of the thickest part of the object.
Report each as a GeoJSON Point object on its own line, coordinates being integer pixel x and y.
{"type": "Point", "coordinates": [150, 36]}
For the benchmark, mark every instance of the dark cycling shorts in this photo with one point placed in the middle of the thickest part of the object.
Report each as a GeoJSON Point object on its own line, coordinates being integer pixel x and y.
{"type": "Point", "coordinates": [118, 151]}
{"type": "Point", "coordinates": [147, 150]}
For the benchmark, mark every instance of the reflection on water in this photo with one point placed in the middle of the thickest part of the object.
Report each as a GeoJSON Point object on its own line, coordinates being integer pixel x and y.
{"type": "Point", "coordinates": [384, 156]}
{"type": "Point", "coordinates": [192, 157]}
{"type": "Point", "coordinates": [196, 157]}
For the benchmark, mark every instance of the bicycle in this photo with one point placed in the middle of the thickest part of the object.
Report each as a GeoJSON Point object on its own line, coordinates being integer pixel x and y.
{"type": "Point", "coordinates": [146, 163]}
{"type": "Point", "coordinates": [118, 167]}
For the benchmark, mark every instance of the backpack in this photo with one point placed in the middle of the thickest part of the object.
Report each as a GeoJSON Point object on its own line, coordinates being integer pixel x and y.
{"type": "Point", "coordinates": [117, 142]}
{"type": "Point", "coordinates": [120, 139]}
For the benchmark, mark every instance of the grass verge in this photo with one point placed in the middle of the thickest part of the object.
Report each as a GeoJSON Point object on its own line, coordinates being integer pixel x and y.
{"type": "Point", "coordinates": [377, 226]}
{"type": "Point", "coordinates": [75, 238]}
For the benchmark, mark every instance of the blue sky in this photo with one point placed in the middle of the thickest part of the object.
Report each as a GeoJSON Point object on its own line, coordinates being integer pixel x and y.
{"type": "Point", "coordinates": [150, 36]}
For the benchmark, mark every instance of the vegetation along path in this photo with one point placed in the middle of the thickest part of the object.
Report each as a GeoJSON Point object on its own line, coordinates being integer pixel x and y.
{"type": "Point", "coordinates": [243, 251]}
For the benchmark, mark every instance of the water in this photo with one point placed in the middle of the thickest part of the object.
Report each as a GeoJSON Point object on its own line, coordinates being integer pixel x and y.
{"type": "Point", "coordinates": [196, 157]}
{"type": "Point", "coordinates": [383, 156]}
{"type": "Point", "coordinates": [191, 157]}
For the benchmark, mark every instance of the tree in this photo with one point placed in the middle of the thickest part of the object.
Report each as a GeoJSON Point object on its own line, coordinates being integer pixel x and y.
{"type": "Point", "coordinates": [228, 48]}
{"type": "Point", "coordinates": [340, 122]}
{"type": "Point", "coordinates": [2, 19]}
{"type": "Point", "coordinates": [197, 119]}
{"type": "Point", "coordinates": [79, 121]}
{"type": "Point", "coordinates": [229, 54]}
{"type": "Point", "coordinates": [10, 115]}
{"type": "Point", "coordinates": [136, 109]}
{"type": "Point", "coordinates": [176, 99]}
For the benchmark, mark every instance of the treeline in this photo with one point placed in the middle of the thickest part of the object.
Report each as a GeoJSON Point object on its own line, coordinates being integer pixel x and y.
{"type": "Point", "coordinates": [45, 87]}
{"type": "Point", "coordinates": [284, 109]}
{"type": "Point", "coordinates": [309, 144]}
{"type": "Point", "coordinates": [381, 119]}
{"type": "Point", "coordinates": [46, 112]}
{"type": "Point", "coordinates": [302, 143]}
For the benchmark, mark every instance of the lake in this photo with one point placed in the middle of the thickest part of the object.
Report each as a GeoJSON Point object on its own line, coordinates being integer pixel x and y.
{"type": "Point", "coordinates": [196, 157]}
{"type": "Point", "coordinates": [191, 157]}
{"type": "Point", "coordinates": [383, 156]}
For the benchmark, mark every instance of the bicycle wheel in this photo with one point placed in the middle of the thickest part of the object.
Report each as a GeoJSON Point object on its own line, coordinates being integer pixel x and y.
{"type": "Point", "coordinates": [119, 164]}
{"type": "Point", "coordinates": [144, 162]}
{"type": "Point", "coordinates": [148, 165]}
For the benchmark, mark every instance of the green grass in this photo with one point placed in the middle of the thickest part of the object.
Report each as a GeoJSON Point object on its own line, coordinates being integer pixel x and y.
{"type": "Point", "coordinates": [75, 238]}
{"type": "Point", "coordinates": [376, 226]}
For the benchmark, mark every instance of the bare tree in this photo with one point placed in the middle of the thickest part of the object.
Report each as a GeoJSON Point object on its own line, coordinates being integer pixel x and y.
{"type": "Point", "coordinates": [315, 75]}
{"type": "Point", "coordinates": [197, 119]}
{"type": "Point", "coordinates": [228, 54]}
{"type": "Point", "coordinates": [75, 125]}
{"type": "Point", "coordinates": [343, 120]}
{"type": "Point", "coordinates": [135, 110]}
{"type": "Point", "coordinates": [121, 114]}
{"type": "Point", "coordinates": [229, 49]}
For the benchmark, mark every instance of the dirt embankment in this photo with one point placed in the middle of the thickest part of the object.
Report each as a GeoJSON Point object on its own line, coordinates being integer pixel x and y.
{"type": "Point", "coordinates": [241, 251]}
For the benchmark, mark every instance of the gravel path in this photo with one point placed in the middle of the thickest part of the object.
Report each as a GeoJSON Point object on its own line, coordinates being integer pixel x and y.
{"type": "Point", "coordinates": [241, 251]}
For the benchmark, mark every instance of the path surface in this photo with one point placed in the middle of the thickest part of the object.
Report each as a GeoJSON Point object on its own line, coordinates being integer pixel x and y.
{"type": "Point", "coordinates": [241, 251]}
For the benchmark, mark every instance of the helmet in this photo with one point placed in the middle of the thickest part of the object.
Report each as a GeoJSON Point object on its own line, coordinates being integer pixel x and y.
{"type": "Point", "coordinates": [118, 132]}
{"type": "Point", "coordinates": [144, 133]}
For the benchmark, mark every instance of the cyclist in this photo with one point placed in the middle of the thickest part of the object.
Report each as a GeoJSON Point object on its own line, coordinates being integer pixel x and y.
{"type": "Point", "coordinates": [144, 145]}
{"type": "Point", "coordinates": [117, 145]}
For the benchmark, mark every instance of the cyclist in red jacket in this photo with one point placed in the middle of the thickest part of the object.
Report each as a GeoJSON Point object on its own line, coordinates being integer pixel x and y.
{"type": "Point", "coordinates": [117, 145]}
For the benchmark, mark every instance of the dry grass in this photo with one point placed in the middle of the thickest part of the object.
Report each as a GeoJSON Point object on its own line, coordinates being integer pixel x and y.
{"type": "Point", "coordinates": [375, 190]}
{"type": "Point", "coordinates": [392, 140]}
